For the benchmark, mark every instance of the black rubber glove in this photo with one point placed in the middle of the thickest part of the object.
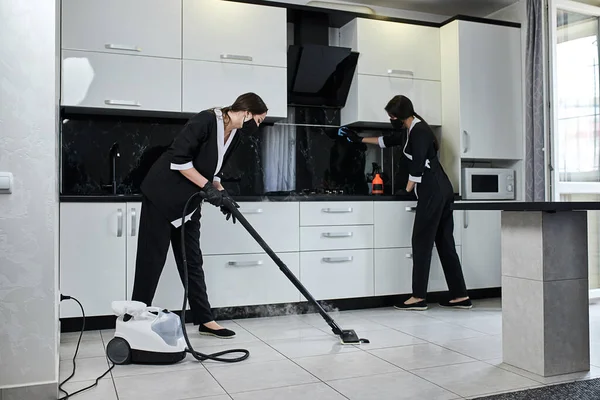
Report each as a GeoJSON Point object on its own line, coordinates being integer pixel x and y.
{"type": "Point", "coordinates": [225, 210]}
{"type": "Point", "coordinates": [213, 195]}
{"type": "Point", "coordinates": [349, 134]}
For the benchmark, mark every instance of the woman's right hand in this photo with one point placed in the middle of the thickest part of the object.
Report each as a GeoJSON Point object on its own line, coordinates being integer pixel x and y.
{"type": "Point", "coordinates": [349, 134]}
{"type": "Point", "coordinates": [213, 195]}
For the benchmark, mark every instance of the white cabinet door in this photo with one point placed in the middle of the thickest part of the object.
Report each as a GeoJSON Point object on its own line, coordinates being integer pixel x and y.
{"type": "Point", "coordinates": [233, 32]}
{"type": "Point", "coordinates": [395, 49]}
{"type": "Point", "coordinates": [92, 257]}
{"type": "Point", "coordinates": [213, 84]}
{"type": "Point", "coordinates": [143, 27]}
{"type": "Point", "coordinates": [218, 236]}
{"type": "Point", "coordinates": [169, 293]}
{"type": "Point", "coordinates": [120, 81]}
{"type": "Point", "coordinates": [336, 237]}
{"type": "Point", "coordinates": [481, 251]}
{"type": "Point", "coordinates": [336, 213]}
{"type": "Point", "coordinates": [369, 95]}
{"type": "Point", "coordinates": [337, 274]}
{"type": "Point", "coordinates": [491, 107]}
{"type": "Point", "coordinates": [393, 271]}
{"type": "Point", "coordinates": [250, 279]}
{"type": "Point", "coordinates": [394, 223]}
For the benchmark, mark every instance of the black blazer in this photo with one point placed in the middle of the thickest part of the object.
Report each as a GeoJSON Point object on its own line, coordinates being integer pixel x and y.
{"type": "Point", "coordinates": [196, 145]}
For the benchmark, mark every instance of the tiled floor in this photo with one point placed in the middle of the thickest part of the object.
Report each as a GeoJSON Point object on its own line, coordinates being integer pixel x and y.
{"type": "Point", "coordinates": [436, 355]}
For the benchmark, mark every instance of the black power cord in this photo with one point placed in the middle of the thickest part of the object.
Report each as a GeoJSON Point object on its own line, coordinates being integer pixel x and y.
{"type": "Point", "coordinates": [67, 394]}
{"type": "Point", "coordinates": [197, 355]}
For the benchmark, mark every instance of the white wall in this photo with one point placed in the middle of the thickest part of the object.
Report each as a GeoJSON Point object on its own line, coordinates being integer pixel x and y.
{"type": "Point", "coordinates": [29, 216]}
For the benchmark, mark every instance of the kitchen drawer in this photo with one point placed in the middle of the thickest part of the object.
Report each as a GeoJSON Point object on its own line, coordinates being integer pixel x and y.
{"type": "Point", "coordinates": [250, 279]}
{"type": "Point", "coordinates": [337, 274]}
{"type": "Point", "coordinates": [211, 84]}
{"type": "Point", "coordinates": [336, 237]}
{"type": "Point", "coordinates": [394, 223]}
{"type": "Point", "coordinates": [139, 27]}
{"type": "Point", "coordinates": [234, 32]}
{"type": "Point", "coordinates": [336, 213]}
{"type": "Point", "coordinates": [120, 81]}
{"type": "Point", "coordinates": [218, 236]}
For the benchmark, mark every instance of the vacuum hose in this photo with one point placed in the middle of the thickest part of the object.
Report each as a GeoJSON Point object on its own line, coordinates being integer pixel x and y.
{"type": "Point", "coordinates": [197, 355]}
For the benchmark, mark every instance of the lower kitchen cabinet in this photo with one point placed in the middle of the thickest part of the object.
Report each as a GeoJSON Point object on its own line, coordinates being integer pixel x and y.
{"type": "Point", "coordinates": [337, 274]}
{"type": "Point", "coordinates": [481, 251]}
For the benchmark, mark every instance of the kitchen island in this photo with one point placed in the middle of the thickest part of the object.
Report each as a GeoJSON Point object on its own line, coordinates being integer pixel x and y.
{"type": "Point", "coordinates": [545, 301]}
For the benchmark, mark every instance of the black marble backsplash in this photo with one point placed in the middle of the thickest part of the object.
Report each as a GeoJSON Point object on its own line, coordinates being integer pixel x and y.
{"type": "Point", "coordinates": [300, 153]}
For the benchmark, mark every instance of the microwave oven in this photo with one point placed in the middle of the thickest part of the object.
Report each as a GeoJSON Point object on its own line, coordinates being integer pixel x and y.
{"type": "Point", "coordinates": [488, 184]}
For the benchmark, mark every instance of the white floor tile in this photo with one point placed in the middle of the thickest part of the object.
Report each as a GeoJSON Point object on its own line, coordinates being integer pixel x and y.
{"type": "Point", "coordinates": [246, 377]}
{"type": "Point", "coordinates": [88, 336]}
{"type": "Point", "coordinates": [241, 336]}
{"type": "Point", "coordinates": [348, 365]}
{"type": "Point", "coordinates": [315, 391]}
{"type": "Point", "coordinates": [105, 390]}
{"type": "Point", "coordinates": [474, 379]}
{"type": "Point", "coordinates": [171, 385]}
{"type": "Point", "coordinates": [290, 321]}
{"type": "Point", "coordinates": [396, 386]}
{"type": "Point", "coordinates": [144, 369]}
{"type": "Point", "coordinates": [281, 332]}
{"type": "Point", "coordinates": [259, 352]}
{"type": "Point", "coordinates": [346, 321]}
{"type": "Point", "coordinates": [398, 319]}
{"type": "Point", "coordinates": [386, 338]}
{"type": "Point", "coordinates": [87, 369]}
{"type": "Point", "coordinates": [594, 372]}
{"type": "Point", "coordinates": [421, 356]}
{"type": "Point", "coordinates": [87, 349]}
{"type": "Point", "coordinates": [296, 348]}
{"type": "Point", "coordinates": [481, 348]}
{"type": "Point", "coordinates": [440, 332]}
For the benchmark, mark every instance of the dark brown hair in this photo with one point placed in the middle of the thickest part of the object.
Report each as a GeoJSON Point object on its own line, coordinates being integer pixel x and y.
{"type": "Point", "coordinates": [402, 108]}
{"type": "Point", "coordinates": [250, 102]}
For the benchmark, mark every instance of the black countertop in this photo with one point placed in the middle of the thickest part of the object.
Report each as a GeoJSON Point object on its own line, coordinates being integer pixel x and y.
{"type": "Point", "coordinates": [138, 198]}
{"type": "Point", "coordinates": [529, 206]}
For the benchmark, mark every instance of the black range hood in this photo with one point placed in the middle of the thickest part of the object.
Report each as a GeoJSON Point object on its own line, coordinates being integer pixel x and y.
{"type": "Point", "coordinates": [318, 74]}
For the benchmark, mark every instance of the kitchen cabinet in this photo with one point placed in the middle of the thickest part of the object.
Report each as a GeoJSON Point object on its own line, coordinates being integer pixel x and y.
{"type": "Point", "coordinates": [233, 32]}
{"type": "Point", "coordinates": [482, 93]}
{"type": "Point", "coordinates": [100, 80]}
{"type": "Point", "coordinates": [336, 237]}
{"type": "Point", "coordinates": [136, 27]}
{"type": "Point", "coordinates": [481, 249]}
{"type": "Point", "coordinates": [336, 213]}
{"type": "Point", "coordinates": [212, 84]}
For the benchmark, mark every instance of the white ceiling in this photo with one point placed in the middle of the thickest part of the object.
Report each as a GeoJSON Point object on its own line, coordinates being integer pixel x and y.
{"type": "Point", "coordinates": [475, 8]}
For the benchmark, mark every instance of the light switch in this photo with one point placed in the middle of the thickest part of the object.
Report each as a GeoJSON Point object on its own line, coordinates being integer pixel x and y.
{"type": "Point", "coordinates": [6, 182]}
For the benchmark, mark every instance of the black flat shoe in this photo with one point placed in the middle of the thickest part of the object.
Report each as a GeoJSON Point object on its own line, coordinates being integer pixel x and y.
{"type": "Point", "coordinates": [463, 305]}
{"type": "Point", "coordinates": [220, 333]}
{"type": "Point", "coordinates": [420, 306]}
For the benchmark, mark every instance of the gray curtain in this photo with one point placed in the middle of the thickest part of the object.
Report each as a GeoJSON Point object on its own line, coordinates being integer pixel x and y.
{"type": "Point", "coordinates": [535, 178]}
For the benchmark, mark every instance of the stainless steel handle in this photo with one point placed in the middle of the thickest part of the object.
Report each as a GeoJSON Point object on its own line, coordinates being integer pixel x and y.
{"type": "Point", "coordinates": [333, 260]}
{"type": "Point", "coordinates": [465, 219]}
{"type": "Point", "coordinates": [409, 256]}
{"type": "Point", "coordinates": [251, 210]}
{"type": "Point", "coordinates": [337, 210]}
{"type": "Point", "coordinates": [400, 72]}
{"type": "Point", "coordinates": [337, 234]}
{"type": "Point", "coordinates": [235, 57]}
{"type": "Point", "coordinates": [112, 46]}
{"type": "Point", "coordinates": [133, 222]}
{"type": "Point", "coordinates": [411, 209]}
{"type": "Point", "coordinates": [244, 263]}
{"type": "Point", "coordinates": [129, 103]}
{"type": "Point", "coordinates": [119, 222]}
{"type": "Point", "coordinates": [467, 139]}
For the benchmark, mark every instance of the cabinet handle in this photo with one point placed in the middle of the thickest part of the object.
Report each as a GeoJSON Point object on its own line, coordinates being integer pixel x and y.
{"type": "Point", "coordinates": [400, 72]}
{"type": "Point", "coordinates": [119, 222]}
{"type": "Point", "coordinates": [465, 219]}
{"type": "Point", "coordinates": [409, 256]}
{"type": "Point", "coordinates": [467, 140]}
{"type": "Point", "coordinates": [235, 57]}
{"type": "Point", "coordinates": [337, 210]}
{"type": "Point", "coordinates": [251, 211]}
{"type": "Point", "coordinates": [129, 103]}
{"type": "Point", "coordinates": [332, 260]}
{"type": "Point", "coordinates": [112, 46]}
{"type": "Point", "coordinates": [337, 234]}
{"type": "Point", "coordinates": [411, 209]}
{"type": "Point", "coordinates": [133, 222]}
{"type": "Point", "coordinates": [244, 263]}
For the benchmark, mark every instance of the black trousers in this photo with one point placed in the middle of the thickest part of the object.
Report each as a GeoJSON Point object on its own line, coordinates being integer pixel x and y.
{"type": "Point", "coordinates": [434, 223]}
{"type": "Point", "coordinates": [155, 235]}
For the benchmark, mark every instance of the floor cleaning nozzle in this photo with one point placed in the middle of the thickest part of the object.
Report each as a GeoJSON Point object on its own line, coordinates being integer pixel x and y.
{"type": "Point", "coordinates": [349, 336]}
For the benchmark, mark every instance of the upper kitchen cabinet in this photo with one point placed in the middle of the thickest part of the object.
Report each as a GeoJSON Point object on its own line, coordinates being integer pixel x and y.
{"type": "Point", "coordinates": [481, 92]}
{"type": "Point", "coordinates": [224, 31]}
{"type": "Point", "coordinates": [395, 59]}
{"type": "Point", "coordinates": [137, 27]}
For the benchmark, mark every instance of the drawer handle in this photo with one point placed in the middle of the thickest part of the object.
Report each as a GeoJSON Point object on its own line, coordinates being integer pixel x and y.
{"type": "Point", "coordinates": [467, 142]}
{"type": "Point", "coordinates": [400, 72]}
{"type": "Point", "coordinates": [251, 211]}
{"type": "Point", "coordinates": [124, 47]}
{"type": "Point", "coordinates": [244, 263]}
{"type": "Point", "coordinates": [337, 234]}
{"type": "Point", "coordinates": [119, 222]}
{"type": "Point", "coordinates": [129, 103]}
{"type": "Point", "coordinates": [235, 57]}
{"type": "Point", "coordinates": [409, 256]}
{"type": "Point", "coordinates": [133, 221]}
{"type": "Point", "coordinates": [337, 210]}
{"type": "Point", "coordinates": [333, 260]}
{"type": "Point", "coordinates": [411, 209]}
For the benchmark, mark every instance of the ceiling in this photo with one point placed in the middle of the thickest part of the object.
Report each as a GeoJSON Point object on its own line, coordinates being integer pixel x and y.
{"type": "Point", "coordinates": [476, 8]}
